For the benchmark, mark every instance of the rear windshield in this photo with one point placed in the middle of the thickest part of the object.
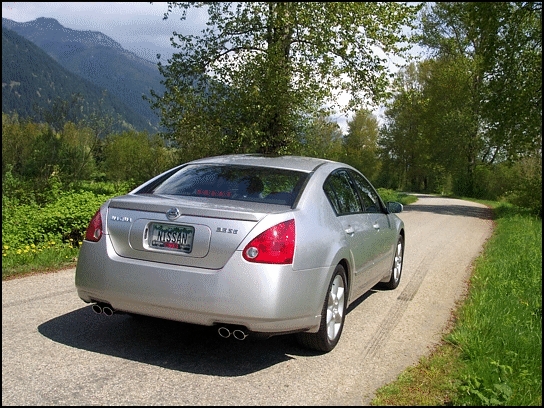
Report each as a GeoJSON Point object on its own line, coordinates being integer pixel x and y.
{"type": "Point", "coordinates": [246, 183]}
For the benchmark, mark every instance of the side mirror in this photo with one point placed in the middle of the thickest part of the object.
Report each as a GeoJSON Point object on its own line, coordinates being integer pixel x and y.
{"type": "Point", "coordinates": [394, 207]}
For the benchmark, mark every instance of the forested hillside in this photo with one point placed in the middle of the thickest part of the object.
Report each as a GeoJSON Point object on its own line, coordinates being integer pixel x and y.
{"type": "Point", "coordinates": [98, 59]}
{"type": "Point", "coordinates": [36, 87]}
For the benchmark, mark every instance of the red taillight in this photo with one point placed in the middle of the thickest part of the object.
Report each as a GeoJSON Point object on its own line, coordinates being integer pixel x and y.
{"type": "Point", "coordinates": [276, 245]}
{"type": "Point", "coordinates": [94, 230]}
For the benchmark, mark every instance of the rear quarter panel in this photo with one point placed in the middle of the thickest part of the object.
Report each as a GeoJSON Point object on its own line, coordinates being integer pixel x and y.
{"type": "Point", "coordinates": [320, 239]}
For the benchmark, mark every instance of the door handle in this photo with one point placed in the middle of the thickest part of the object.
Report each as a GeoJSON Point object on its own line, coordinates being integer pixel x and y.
{"type": "Point", "coordinates": [349, 230]}
{"type": "Point", "coordinates": [376, 226]}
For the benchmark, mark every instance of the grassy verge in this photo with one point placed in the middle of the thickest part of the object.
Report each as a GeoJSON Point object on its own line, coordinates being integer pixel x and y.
{"type": "Point", "coordinates": [31, 259]}
{"type": "Point", "coordinates": [44, 235]}
{"type": "Point", "coordinates": [493, 355]}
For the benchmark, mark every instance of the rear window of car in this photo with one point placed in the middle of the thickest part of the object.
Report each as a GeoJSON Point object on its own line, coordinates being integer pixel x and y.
{"type": "Point", "coordinates": [245, 183]}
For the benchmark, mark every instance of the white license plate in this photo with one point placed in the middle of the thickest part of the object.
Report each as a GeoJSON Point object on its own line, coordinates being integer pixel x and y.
{"type": "Point", "coordinates": [173, 237]}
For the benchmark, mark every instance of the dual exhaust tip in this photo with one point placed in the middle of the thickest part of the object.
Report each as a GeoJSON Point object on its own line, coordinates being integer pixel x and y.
{"type": "Point", "coordinates": [225, 332]}
{"type": "Point", "coordinates": [106, 309]}
{"type": "Point", "coordinates": [238, 334]}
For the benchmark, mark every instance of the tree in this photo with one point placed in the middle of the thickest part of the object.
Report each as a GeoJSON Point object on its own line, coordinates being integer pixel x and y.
{"type": "Point", "coordinates": [452, 123]}
{"type": "Point", "coordinates": [322, 138]}
{"type": "Point", "coordinates": [490, 70]}
{"type": "Point", "coordinates": [260, 68]}
{"type": "Point", "coordinates": [512, 62]}
{"type": "Point", "coordinates": [18, 138]}
{"type": "Point", "coordinates": [134, 156]}
{"type": "Point", "coordinates": [406, 136]}
{"type": "Point", "coordinates": [361, 143]}
{"type": "Point", "coordinates": [77, 161]}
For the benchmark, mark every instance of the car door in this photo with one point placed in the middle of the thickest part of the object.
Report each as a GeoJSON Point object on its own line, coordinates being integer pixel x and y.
{"type": "Point", "coordinates": [360, 234]}
{"type": "Point", "coordinates": [376, 216]}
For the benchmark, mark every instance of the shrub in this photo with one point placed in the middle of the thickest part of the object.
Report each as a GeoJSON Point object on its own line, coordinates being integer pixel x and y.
{"type": "Point", "coordinates": [64, 219]}
{"type": "Point", "coordinates": [527, 190]}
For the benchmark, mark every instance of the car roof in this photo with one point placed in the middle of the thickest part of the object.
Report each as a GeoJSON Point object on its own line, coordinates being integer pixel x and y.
{"type": "Point", "coordinates": [300, 163]}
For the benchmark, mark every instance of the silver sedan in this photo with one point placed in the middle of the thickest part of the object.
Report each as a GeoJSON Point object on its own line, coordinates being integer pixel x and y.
{"type": "Point", "coordinates": [246, 243]}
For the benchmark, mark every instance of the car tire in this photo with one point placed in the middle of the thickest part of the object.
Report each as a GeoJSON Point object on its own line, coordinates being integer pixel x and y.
{"type": "Point", "coordinates": [332, 315]}
{"type": "Point", "coordinates": [396, 268]}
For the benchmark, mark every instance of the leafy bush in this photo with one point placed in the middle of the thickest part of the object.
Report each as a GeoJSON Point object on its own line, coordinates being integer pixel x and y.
{"type": "Point", "coordinates": [108, 188]}
{"type": "Point", "coordinates": [64, 219]}
{"type": "Point", "coordinates": [391, 195]}
{"type": "Point", "coordinates": [527, 190]}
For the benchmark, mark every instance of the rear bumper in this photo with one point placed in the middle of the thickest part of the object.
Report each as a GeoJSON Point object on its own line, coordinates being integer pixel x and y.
{"type": "Point", "coordinates": [263, 298]}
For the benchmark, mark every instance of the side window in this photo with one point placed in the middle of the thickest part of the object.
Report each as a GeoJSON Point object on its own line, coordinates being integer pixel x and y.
{"type": "Point", "coordinates": [368, 194]}
{"type": "Point", "coordinates": [341, 194]}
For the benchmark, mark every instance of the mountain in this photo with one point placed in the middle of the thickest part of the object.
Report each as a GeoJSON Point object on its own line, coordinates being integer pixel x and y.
{"type": "Point", "coordinates": [34, 84]}
{"type": "Point", "coordinates": [97, 58]}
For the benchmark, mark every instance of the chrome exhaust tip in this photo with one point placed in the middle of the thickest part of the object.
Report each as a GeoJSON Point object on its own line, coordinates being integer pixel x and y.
{"type": "Point", "coordinates": [108, 311]}
{"type": "Point", "coordinates": [224, 332]}
{"type": "Point", "coordinates": [105, 308]}
{"type": "Point", "coordinates": [239, 334]}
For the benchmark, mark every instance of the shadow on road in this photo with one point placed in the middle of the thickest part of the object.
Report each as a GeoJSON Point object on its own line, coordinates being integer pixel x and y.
{"type": "Point", "coordinates": [173, 345]}
{"type": "Point", "coordinates": [457, 209]}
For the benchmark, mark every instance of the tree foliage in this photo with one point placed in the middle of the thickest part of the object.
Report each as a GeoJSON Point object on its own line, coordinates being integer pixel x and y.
{"type": "Point", "coordinates": [403, 148]}
{"type": "Point", "coordinates": [249, 80]}
{"type": "Point", "coordinates": [322, 138]}
{"type": "Point", "coordinates": [503, 43]}
{"type": "Point", "coordinates": [135, 156]}
{"type": "Point", "coordinates": [361, 143]}
{"type": "Point", "coordinates": [474, 109]}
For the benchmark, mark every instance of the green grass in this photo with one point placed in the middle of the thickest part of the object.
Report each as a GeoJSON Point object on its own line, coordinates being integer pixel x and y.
{"type": "Point", "coordinates": [493, 354]}
{"type": "Point", "coordinates": [46, 235]}
{"type": "Point", "coordinates": [30, 259]}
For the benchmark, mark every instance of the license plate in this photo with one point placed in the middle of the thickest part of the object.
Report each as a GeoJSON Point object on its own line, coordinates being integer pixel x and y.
{"type": "Point", "coordinates": [173, 237]}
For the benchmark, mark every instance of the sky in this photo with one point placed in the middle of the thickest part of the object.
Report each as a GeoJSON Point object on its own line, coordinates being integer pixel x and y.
{"type": "Point", "coordinates": [139, 27]}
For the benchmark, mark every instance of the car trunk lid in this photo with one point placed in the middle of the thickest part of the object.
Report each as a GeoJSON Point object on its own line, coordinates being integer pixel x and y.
{"type": "Point", "coordinates": [200, 233]}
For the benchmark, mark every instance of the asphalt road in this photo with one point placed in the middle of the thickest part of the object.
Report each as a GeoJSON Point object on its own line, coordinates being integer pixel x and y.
{"type": "Point", "coordinates": [56, 351]}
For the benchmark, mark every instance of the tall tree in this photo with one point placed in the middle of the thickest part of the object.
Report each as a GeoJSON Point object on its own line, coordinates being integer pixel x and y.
{"type": "Point", "coordinates": [361, 143]}
{"type": "Point", "coordinates": [135, 156]}
{"type": "Point", "coordinates": [260, 68]}
{"type": "Point", "coordinates": [490, 57]}
{"type": "Point", "coordinates": [409, 140]}
{"type": "Point", "coordinates": [512, 62]}
{"type": "Point", "coordinates": [322, 138]}
{"type": "Point", "coordinates": [18, 139]}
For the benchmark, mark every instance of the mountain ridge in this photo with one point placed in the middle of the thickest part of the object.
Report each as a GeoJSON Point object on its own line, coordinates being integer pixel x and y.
{"type": "Point", "coordinates": [47, 25]}
{"type": "Point", "coordinates": [98, 59]}
{"type": "Point", "coordinates": [34, 85]}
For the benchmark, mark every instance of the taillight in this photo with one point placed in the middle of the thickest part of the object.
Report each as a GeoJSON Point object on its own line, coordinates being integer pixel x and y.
{"type": "Point", "coordinates": [276, 245]}
{"type": "Point", "coordinates": [94, 230]}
